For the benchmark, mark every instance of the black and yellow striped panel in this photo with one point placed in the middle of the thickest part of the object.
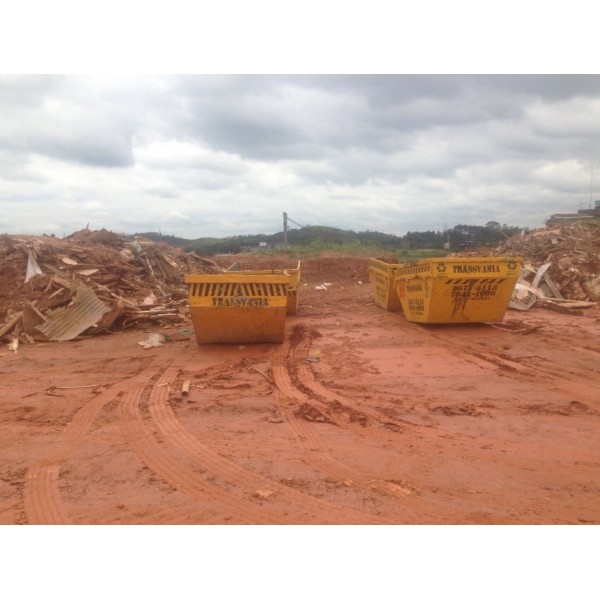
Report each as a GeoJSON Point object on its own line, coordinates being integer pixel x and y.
{"type": "Point", "coordinates": [414, 270]}
{"type": "Point", "coordinates": [471, 281]}
{"type": "Point", "coordinates": [233, 290]}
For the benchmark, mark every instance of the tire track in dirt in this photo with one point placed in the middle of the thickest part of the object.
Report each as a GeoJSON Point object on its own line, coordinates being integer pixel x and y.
{"type": "Point", "coordinates": [318, 456]}
{"type": "Point", "coordinates": [358, 416]}
{"type": "Point", "coordinates": [550, 378]}
{"type": "Point", "coordinates": [43, 504]}
{"type": "Point", "coordinates": [41, 493]}
{"type": "Point", "coordinates": [147, 516]}
{"type": "Point", "coordinates": [428, 436]}
{"type": "Point", "coordinates": [432, 433]}
{"type": "Point", "coordinates": [180, 476]}
{"type": "Point", "coordinates": [232, 474]}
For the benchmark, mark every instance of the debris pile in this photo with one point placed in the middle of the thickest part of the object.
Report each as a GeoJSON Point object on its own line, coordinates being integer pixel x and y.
{"type": "Point", "coordinates": [92, 282]}
{"type": "Point", "coordinates": [561, 267]}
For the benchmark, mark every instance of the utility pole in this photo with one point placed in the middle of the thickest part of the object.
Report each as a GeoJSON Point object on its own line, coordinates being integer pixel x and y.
{"type": "Point", "coordinates": [591, 183]}
{"type": "Point", "coordinates": [285, 229]}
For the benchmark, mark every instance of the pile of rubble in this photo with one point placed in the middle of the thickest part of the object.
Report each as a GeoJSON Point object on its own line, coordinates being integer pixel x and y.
{"type": "Point", "coordinates": [561, 267]}
{"type": "Point", "coordinates": [91, 282]}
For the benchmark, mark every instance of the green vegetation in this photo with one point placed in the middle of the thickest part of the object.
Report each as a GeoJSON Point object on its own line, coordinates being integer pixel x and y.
{"type": "Point", "coordinates": [317, 239]}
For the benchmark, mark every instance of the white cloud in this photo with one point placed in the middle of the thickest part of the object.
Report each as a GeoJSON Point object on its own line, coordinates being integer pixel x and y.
{"type": "Point", "coordinates": [575, 117]}
{"type": "Point", "coordinates": [225, 155]}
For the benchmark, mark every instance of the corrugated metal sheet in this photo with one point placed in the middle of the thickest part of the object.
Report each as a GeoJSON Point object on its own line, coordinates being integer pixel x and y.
{"type": "Point", "coordinates": [66, 323]}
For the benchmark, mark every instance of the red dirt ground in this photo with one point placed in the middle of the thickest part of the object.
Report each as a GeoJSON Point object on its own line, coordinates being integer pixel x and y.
{"type": "Point", "coordinates": [358, 417]}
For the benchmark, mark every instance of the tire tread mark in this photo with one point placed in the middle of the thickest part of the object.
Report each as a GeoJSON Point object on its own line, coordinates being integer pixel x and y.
{"type": "Point", "coordinates": [41, 493]}
{"type": "Point", "coordinates": [310, 439]}
{"type": "Point", "coordinates": [177, 434]}
{"type": "Point", "coordinates": [518, 371]}
{"type": "Point", "coordinates": [170, 469]}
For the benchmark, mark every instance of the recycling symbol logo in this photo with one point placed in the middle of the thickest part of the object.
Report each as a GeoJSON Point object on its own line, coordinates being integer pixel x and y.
{"type": "Point", "coordinates": [441, 268]}
{"type": "Point", "coordinates": [512, 266]}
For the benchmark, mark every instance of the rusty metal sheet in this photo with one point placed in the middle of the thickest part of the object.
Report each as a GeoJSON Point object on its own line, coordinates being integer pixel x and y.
{"type": "Point", "coordinates": [66, 323]}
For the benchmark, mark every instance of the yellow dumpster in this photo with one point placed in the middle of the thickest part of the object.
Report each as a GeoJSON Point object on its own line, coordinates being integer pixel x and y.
{"type": "Point", "coordinates": [457, 290]}
{"type": "Point", "coordinates": [383, 284]}
{"type": "Point", "coordinates": [292, 301]}
{"type": "Point", "coordinates": [238, 308]}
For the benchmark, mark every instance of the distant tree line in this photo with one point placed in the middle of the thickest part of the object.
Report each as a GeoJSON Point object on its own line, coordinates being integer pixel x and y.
{"type": "Point", "coordinates": [460, 236]}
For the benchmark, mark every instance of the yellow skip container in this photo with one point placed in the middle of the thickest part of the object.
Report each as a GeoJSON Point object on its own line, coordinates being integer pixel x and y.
{"type": "Point", "coordinates": [457, 290]}
{"type": "Point", "coordinates": [238, 308]}
{"type": "Point", "coordinates": [383, 284]}
{"type": "Point", "coordinates": [293, 288]}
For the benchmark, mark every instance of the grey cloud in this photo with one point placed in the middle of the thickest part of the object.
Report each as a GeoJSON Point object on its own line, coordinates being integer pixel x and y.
{"type": "Point", "coordinates": [328, 149]}
{"type": "Point", "coordinates": [261, 117]}
{"type": "Point", "coordinates": [52, 116]}
{"type": "Point", "coordinates": [27, 90]}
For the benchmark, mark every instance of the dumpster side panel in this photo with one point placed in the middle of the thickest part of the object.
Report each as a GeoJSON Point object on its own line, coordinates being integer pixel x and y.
{"type": "Point", "coordinates": [382, 277]}
{"type": "Point", "coordinates": [414, 294]}
{"type": "Point", "coordinates": [458, 290]}
{"type": "Point", "coordinates": [235, 308]}
{"type": "Point", "coordinates": [470, 299]}
{"type": "Point", "coordinates": [238, 325]}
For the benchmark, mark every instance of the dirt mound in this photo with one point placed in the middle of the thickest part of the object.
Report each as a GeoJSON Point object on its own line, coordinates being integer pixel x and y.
{"type": "Point", "coordinates": [328, 266]}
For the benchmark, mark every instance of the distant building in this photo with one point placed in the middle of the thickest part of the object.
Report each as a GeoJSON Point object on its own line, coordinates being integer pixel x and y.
{"type": "Point", "coordinates": [584, 213]}
{"type": "Point", "coordinates": [594, 212]}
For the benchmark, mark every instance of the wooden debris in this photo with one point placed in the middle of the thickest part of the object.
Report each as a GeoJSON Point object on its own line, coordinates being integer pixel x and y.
{"type": "Point", "coordinates": [589, 291]}
{"type": "Point", "coordinates": [263, 494]}
{"type": "Point", "coordinates": [53, 388]}
{"type": "Point", "coordinates": [185, 388]}
{"type": "Point", "coordinates": [141, 282]}
{"type": "Point", "coordinates": [562, 263]}
{"type": "Point", "coordinates": [516, 327]}
{"type": "Point", "coordinates": [12, 323]}
{"type": "Point", "coordinates": [262, 373]}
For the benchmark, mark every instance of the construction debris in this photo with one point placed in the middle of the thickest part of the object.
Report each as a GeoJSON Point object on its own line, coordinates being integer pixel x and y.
{"type": "Point", "coordinates": [33, 268]}
{"type": "Point", "coordinates": [91, 282]}
{"type": "Point", "coordinates": [66, 323]}
{"type": "Point", "coordinates": [561, 268]}
{"type": "Point", "coordinates": [154, 340]}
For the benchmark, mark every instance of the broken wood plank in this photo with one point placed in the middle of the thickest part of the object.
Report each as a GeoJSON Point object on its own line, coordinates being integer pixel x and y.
{"type": "Point", "coordinates": [552, 286]}
{"type": "Point", "coordinates": [568, 303]}
{"type": "Point", "coordinates": [8, 327]}
{"type": "Point", "coordinates": [539, 274]}
{"type": "Point", "coordinates": [58, 276]}
{"type": "Point", "coordinates": [35, 309]}
{"type": "Point", "coordinates": [589, 291]}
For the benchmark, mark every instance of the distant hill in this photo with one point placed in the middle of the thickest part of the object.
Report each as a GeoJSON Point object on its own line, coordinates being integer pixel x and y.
{"type": "Point", "coordinates": [318, 236]}
{"type": "Point", "coordinates": [315, 235]}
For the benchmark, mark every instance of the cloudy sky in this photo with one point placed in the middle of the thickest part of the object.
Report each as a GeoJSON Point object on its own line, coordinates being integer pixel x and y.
{"type": "Point", "coordinates": [218, 155]}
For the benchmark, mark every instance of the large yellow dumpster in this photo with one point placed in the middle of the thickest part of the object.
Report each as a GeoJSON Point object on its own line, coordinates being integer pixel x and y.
{"type": "Point", "coordinates": [238, 308]}
{"type": "Point", "coordinates": [457, 290]}
{"type": "Point", "coordinates": [293, 288]}
{"type": "Point", "coordinates": [383, 284]}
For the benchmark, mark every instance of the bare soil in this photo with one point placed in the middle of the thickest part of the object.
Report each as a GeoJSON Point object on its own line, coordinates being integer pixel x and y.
{"type": "Point", "coordinates": [359, 417]}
